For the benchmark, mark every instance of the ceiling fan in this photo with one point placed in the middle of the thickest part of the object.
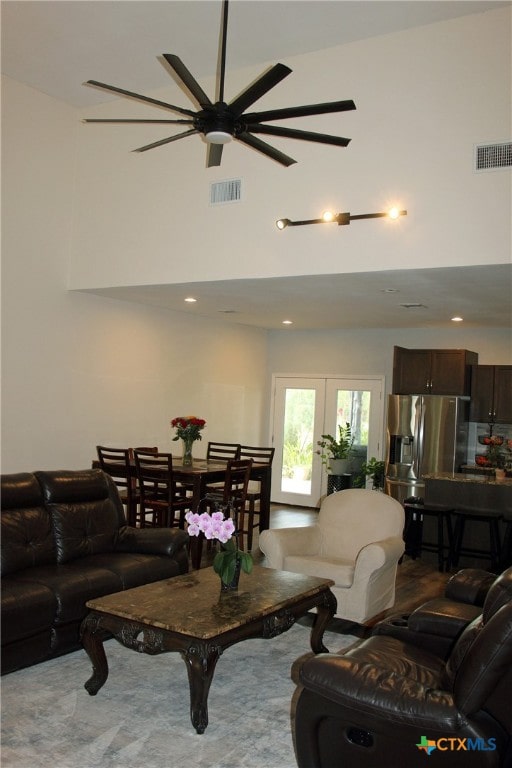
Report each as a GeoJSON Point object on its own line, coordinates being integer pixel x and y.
{"type": "Point", "coordinates": [220, 122]}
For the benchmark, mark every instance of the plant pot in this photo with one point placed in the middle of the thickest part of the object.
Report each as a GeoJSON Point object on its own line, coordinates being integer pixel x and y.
{"type": "Point", "coordinates": [339, 466]}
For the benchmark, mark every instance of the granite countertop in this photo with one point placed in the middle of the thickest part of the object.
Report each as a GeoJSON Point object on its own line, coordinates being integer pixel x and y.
{"type": "Point", "coordinates": [465, 477]}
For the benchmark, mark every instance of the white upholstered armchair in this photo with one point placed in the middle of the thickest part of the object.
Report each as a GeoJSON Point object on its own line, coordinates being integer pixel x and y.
{"type": "Point", "coordinates": [356, 542]}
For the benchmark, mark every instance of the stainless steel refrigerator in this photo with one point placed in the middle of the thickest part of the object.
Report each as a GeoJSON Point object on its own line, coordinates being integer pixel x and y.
{"type": "Point", "coordinates": [425, 434]}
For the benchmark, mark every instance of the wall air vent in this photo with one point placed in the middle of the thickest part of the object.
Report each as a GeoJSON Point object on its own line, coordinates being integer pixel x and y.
{"type": "Point", "coordinates": [489, 157]}
{"type": "Point", "coordinates": [229, 191]}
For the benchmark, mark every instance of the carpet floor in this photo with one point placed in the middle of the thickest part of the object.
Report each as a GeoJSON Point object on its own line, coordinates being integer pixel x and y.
{"type": "Point", "coordinates": [141, 717]}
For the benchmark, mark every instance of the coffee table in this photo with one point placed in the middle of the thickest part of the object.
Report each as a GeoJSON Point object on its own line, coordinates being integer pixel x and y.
{"type": "Point", "coordinates": [191, 615]}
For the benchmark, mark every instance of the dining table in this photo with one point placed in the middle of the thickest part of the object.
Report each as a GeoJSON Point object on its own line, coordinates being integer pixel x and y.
{"type": "Point", "coordinates": [202, 473]}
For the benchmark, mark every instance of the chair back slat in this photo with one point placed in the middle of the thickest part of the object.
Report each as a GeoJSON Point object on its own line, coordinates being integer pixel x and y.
{"type": "Point", "coordinates": [222, 451]}
{"type": "Point", "coordinates": [258, 454]}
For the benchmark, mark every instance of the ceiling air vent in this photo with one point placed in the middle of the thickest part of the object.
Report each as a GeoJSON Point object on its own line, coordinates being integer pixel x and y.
{"type": "Point", "coordinates": [489, 157]}
{"type": "Point", "coordinates": [229, 191]}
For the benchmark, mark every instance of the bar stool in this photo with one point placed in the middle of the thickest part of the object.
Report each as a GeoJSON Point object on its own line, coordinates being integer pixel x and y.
{"type": "Point", "coordinates": [413, 533]}
{"type": "Point", "coordinates": [487, 517]}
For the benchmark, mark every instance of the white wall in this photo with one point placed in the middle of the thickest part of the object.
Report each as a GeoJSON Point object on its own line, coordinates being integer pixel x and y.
{"type": "Point", "coordinates": [79, 370]}
{"type": "Point", "coordinates": [424, 97]}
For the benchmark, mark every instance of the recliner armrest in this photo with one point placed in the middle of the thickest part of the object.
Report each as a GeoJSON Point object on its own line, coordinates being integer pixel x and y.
{"type": "Point", "coordinates": [442, 617]}
{"type": "Point", "coordinates": [470, 585]}
{"type": "Point", "coordinates": [152, 541]}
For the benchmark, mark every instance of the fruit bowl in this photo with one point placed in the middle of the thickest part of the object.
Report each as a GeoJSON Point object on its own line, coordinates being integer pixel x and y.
{"type": "Point", "coordinates": [482, 461]}
{"type": "Point", "coordinates": [490, 440]}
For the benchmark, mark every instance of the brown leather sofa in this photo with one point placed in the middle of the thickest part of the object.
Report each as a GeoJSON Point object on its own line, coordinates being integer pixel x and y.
{"type": "Point", "coordinates": [64, 540]}
{"type": "Point", "coordinates": [386, 702]}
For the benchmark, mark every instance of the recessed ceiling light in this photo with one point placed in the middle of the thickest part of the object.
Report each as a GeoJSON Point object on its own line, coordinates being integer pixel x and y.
{"type": "Point", "coordinates": [190, 300]}
{"type": "Point", "coordinates": [457, 319]}
{"type": "Point", "coordinates": [287, 322]}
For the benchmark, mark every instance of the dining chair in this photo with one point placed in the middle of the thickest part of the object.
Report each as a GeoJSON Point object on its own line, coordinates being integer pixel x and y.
{"type": "Point", "coordinates": [117, 462]}
{"type": "Point", "coordinates": [246, 520]}
{"type": "Point", "coordinates": [159, 496]}
{"type": "Point", "coordinates": [233, 493]}
{"type": "Point", "coordinates": [220, 452]}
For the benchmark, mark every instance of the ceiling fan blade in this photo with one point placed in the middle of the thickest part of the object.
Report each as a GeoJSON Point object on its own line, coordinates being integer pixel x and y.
{"type": "Point", "coordinates": [311, 109]}
{"type": "Point", "coordinates": [259, 88]}
{"type": "Point", "coordinates": [166, 122]}
{"type": "Point", "coordinates": [187, 79]}
{"type": "Point", "coordinates": [166, 141]}
{"type": "Point", "coordinates": [290, 133]}
{"type": "Point", "coordinates": [139, 97]}
{"type": "Point", "coordinates": [214, 155]}
{"type": "Point", "coordinates": [265, 148]}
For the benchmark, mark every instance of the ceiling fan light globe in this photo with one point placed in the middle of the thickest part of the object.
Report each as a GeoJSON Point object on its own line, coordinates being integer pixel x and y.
{"type": "Point", "coordinates": [218, 137]}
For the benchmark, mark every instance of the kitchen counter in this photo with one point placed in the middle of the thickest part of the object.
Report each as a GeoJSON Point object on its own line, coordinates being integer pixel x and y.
{"type": "Point", "coordinates": [468, 477]}
{"type": "Point", "coordinates": [479, 493]}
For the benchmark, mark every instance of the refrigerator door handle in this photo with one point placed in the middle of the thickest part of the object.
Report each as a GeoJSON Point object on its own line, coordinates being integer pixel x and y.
{"type": "Point", "coordinates": [418, 440]}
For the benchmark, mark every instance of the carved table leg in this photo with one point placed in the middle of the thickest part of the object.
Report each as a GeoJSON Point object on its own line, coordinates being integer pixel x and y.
{"type": "Point", "coordinates": [93, 645]}
{"type": "Point", "coordinates": [201, 659]}
{"type": "Point", "coordinates": [325, 611]}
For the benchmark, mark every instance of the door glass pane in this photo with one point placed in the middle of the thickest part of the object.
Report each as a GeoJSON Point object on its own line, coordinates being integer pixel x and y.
{"type": "Point", "coordinates": [353, 406]}
{"type": "Point", "coordinates": [298, 441]}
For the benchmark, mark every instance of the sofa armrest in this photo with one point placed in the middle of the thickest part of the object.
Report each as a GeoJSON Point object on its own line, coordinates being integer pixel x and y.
{"type": "Point", "coordinates": [374, 556]}
{"type": "Point", "coordinates": [151, 541]}
{"type": "Point", "coordinates": [470, 585]}
{"type": "Point", "coordinates": [278, 543]}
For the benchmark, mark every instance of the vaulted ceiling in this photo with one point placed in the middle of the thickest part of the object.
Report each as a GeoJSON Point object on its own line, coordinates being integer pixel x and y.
{"type": "Point", "coordinates": [55, 46]}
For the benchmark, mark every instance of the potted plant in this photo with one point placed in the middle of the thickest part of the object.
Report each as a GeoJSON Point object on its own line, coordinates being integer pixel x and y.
{"type": "Point", "coordinates": [374, 469]}
{"type": "Point", "coordinates": [335, 453]}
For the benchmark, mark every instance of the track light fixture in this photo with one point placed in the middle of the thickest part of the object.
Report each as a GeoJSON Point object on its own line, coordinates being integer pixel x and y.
{"type": "Point", "coordinates": [340, 218]}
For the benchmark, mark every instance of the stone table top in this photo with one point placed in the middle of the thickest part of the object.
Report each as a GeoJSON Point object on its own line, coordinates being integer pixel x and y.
{"type": "Point", "coordinates": [194, 605]}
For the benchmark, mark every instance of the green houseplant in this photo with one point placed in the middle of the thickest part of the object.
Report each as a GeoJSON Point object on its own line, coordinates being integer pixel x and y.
{"type": "Point", "coordinates": [340, 449]}
{"type": "Point", "coordinates": [374, 469]}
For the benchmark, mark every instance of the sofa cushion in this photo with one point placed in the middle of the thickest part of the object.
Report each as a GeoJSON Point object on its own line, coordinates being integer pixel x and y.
{"type": "Point", "coordinates": [26, 531]}
{"type": "Point", "coordinates": [72, 586]}
{"type": "Point", "coordinates": [84, 515]}
{"type": "Point", "coordinates": [28, 608]}
{"type": "Point", "coordinates": [134, 570]}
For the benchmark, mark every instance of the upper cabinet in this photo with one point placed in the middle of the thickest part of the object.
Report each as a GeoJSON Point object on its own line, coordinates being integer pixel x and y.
{"type": "Point", "coordinates": [432, 371]}
{"type": "Point", "coordinates": [491, 394]}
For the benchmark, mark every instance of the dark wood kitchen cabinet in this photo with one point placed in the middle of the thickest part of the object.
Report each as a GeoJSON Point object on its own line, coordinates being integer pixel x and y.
{"type": "Point", "coordinates": [432, 371]}
{"type": "Point", "coordinates": [491, 394]}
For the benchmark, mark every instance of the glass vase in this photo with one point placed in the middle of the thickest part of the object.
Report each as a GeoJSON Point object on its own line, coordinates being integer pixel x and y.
{"type": "Point", "coordinates": [233, 584]}
{"type": "Point", "coordinates": [187, 459]}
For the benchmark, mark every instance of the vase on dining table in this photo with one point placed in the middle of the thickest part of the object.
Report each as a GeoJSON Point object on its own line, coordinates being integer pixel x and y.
{"type": "Point", "coordinates": [187, 459]}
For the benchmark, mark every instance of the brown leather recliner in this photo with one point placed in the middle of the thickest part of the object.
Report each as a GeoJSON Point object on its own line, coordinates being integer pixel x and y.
{"type": "Point", "coordinates": [387, 703]}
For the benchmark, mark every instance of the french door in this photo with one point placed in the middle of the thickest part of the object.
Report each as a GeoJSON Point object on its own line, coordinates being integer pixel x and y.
{"type": "Point", "coordinates": [303, 409]}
